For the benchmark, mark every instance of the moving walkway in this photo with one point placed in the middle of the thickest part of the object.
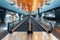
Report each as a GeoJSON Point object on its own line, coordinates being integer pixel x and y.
{"type": "Point", "coordinates": [23, 28]}
{"type": "Point", "coordinates": [26, 26]}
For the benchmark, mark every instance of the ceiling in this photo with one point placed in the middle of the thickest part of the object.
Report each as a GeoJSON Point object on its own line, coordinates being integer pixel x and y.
{"type": "Point", "coordinates": [29, 5]}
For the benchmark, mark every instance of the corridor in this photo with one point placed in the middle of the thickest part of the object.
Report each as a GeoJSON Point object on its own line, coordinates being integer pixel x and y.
{"type": "Point", "coordinates": [29, 19]}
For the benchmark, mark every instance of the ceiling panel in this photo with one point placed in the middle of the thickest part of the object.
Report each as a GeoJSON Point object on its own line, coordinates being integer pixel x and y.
{"type": "Point", "coordinates": [29, 5]}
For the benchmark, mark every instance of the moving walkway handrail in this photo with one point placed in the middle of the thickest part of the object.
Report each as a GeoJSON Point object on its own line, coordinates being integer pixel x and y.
{"type": "Point", "coordinates": [51, 26]}
{"type": "Point", "coordinates": [16, 26]}
{"type": "Point", "coordinates": [43, 25]}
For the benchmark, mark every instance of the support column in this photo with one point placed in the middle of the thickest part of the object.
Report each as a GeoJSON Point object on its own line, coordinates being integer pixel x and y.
{"type": "Point", "coordinates": [39, 14]}
{"type": "Point", "coordinates": [19, 16]}
{"type": "Point", "coordinates": [57, 13]}
{"type": "Point", "coordinates": [2, 15]}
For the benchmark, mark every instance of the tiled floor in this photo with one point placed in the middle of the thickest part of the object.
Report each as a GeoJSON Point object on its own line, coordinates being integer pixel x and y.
{"type": "Point", "coordinates": [16, 36]}
{"type": "Point", "coordinates": [43, 36]}
{"type": "Point", "coordinates": [34, 36]}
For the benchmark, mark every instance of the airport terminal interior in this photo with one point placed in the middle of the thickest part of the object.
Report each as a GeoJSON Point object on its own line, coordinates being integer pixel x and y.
{"type": "Point", "coordinates": [29, 19]}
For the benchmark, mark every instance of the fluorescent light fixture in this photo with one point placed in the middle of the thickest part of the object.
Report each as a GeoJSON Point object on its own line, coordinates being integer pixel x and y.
{"type": "Point", "coordinates": [5, 28]}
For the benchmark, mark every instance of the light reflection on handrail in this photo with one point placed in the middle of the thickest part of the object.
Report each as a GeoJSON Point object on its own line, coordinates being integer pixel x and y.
{"type": "Point", "coordinates": [12, 28]}
{"type": "Point", "coordinates": [48, 28]}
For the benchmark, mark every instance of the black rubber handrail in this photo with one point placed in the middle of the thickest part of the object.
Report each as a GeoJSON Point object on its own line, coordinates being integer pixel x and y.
{"type": "Point", "coordinates": [16, 26]}
{"type": "Point", "coordinates": [48, 31]}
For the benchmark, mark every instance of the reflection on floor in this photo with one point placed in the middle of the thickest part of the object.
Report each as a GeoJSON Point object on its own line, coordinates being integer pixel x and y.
{"type": "Point", "coordinates": [16, 36]}
{"type": "Point", "coordinates": [43, 36]}
{"type": "Point", "coordinates": [34, 36]}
